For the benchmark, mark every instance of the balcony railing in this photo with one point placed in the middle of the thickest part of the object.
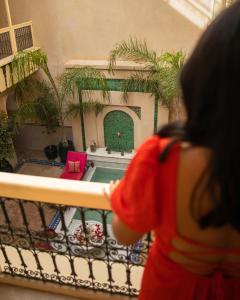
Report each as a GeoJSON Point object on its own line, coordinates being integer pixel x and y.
{"type": "Point", "coordinates": [5, 44]}
{"type": "Point", "coordinates": [59, 231]}
{"type": "Point", "coordinates": [15, 38]}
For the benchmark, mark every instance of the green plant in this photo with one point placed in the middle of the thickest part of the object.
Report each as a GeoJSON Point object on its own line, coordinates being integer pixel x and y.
{"type": "Point", "coordinates": [39, 99]}
{"type": "Point", "coordinates": [158, 77]}
{"type": "Point", "coordinates": [26, 62]}
{"type": "Point", "coordinates": [85, 80]}
{"type": "Point", "coordinates": [51, 105]}
{"type": "Point", "coordinates": [6, 134]}
{"type": "Point", "coordinates": [36, 100]}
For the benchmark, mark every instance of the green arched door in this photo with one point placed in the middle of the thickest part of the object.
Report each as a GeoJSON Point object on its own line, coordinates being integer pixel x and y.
{"type": "Point", "coordinates": [119, 131]}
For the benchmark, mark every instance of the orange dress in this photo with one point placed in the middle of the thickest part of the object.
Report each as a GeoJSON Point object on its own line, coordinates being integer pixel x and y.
{"type": "Point", "coordinates": [145, 200]}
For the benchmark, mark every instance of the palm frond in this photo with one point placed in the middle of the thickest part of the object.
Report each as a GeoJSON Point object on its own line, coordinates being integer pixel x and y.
{"type": "Point", "coordinates": [26, 62]}
{"type": "Point", "coordinates": [25, 112]}
{"type": "Point", "coordinates": [93, 106]}
{"type": "Point", "coordinates": [173, 59]}
{"type": "Point", "coordinates": [42, 109]}
{"type": "Point", "coordinates": [160, 75]}
{"type": "Point", "coordinates": [136, 51]}
{"type": "Point", "coordinates": [168, 78]}
{"type": "Point", "coordinates": [141, 81]}
{"type": "Point", "coordinates": [6, 134]}
{"type": "Point", "coordinates": [74, 109]}
{"type": "Point", "coordinates": [48, 113]}
{"type": "Point", "coordinates": [85, 78]}
{"type": "Point", "coordinates": [99, 107]}
{"type": "Point", "coordinates": [32, 89]}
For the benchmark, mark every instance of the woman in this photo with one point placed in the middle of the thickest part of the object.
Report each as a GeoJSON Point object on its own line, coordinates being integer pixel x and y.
{"type": "Point", "coordinates": [184, 183]}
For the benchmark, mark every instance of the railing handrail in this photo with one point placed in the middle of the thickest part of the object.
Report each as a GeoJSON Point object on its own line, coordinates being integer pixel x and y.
{"type": "Point", "coordinates": [13, 44]}
{"type": "Point", "coordinates": [20, 25]}
{"type": "Point", "coordinates": [5, 29]}
{"type": "Point", "coordinates": [7, 60]}
{"type": "Point", "coordinates": [54, 190]}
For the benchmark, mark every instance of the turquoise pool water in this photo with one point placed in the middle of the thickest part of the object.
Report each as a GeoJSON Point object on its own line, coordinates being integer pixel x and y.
{"type": "Point", "coordinates": [104, 175]}
{"type": "Point", "coordinates": [93, 215]}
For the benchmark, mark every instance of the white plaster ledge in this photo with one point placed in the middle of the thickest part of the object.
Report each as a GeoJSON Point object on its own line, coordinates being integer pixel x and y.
{"type": "Point", "coordinates": [101, 152]}
{"type": "Point", "coordinates": [103, 64]}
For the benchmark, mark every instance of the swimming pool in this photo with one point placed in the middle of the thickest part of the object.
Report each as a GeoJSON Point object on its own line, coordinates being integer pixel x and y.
{"type": "Point", "coordinates": [94, 220]}
{"type": "Point", "coordinates": [105, 175]}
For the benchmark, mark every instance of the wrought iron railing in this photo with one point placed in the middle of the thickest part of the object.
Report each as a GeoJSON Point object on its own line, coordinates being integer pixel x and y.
{"type": "Point", "coordinates": [5, 45]}
{"type": "Point", "coordinates": [24, 38]}
{"type": "Point", "coordinates": [52, 230]}
{"type": "Point", "coordinates": [15, 38]}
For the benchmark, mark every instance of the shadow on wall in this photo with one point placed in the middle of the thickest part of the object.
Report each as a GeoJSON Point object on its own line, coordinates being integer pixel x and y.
{"type": "Point", "coordinates": [35, 137]}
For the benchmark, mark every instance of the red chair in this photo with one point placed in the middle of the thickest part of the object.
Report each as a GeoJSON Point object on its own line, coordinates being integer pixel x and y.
{"type": "Point", "coordinates": [75, 156]}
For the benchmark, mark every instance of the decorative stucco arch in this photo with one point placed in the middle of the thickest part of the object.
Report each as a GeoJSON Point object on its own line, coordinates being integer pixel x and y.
{"type": "Point", "coordinates": [118, 131]}
{"type": "Point", "coordinates": [108, 109]}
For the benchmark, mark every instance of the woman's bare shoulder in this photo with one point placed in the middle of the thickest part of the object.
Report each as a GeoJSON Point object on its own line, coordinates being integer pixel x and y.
{"type": "Point", "coordinates": [194, 156]}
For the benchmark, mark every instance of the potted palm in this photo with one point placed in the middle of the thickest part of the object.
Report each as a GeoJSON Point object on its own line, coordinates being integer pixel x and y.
{"type": "Point", "coordinates": [51, 152]}
{"type": "Point", "coordinates": [158, 77]}
{"type": "Point", "coordinates": [85, 80]}
{"type": "Point", "coordinates": [36, 102]}
{"type": "Point", "coordinates": [6, 147]}
{"type": "Point", "coordinates": [47, 99]}
{"type": "Point", "coordinates": [93, 146]}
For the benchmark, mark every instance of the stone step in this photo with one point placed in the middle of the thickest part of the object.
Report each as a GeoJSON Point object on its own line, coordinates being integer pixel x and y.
{"type": "Point", "coordinates": [9, 292]}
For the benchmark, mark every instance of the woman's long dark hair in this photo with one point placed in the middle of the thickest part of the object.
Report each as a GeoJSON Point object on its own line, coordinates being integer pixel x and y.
{"type": "Point", "coordinates": [210, 82]}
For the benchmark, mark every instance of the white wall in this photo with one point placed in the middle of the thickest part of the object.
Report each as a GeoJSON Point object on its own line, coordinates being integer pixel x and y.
{"type": "Point", "coordinates": [88, 29]}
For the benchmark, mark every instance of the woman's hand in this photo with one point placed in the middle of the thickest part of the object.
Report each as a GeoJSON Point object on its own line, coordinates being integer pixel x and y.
{"type": "Point", "coordinates": [112, 186]}
{"type": "Point", "coordinates": [121, 231]}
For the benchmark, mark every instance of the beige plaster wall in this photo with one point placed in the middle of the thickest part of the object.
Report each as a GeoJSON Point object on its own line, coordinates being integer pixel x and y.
{"type": "Point", "coordinates": [142, 128]}
{"type": "Point", "coordinates": [88, 29]}
{"type": "Point", "coordinates": [35, 137]}
{"type": "Point", "coordinates": [3, 15]}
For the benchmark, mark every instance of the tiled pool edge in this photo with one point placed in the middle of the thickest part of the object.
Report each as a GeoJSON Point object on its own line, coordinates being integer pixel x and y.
{"type": "Point", "coordinates": [89, 174]}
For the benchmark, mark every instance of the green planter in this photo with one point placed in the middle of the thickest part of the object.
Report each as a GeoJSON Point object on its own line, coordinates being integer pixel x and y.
{"type": "Point", "coordinates": [63, 149]}
{"type": "Point", "coordinates": [51, 152]}
{"type": "Point", "coordinates": [5, 166]}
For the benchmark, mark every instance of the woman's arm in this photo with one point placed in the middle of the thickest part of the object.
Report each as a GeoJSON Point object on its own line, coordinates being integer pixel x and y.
{"type": "Point", "coordinates": [135, 201]}
{"type": "Point", "coordinates": [122, 232]}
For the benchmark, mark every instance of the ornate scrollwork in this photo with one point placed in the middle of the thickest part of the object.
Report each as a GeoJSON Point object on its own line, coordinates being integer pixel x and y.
{"type": "Point", "coordinates": [91, 243]}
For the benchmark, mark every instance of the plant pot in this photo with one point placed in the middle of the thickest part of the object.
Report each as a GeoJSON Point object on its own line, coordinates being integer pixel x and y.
{"type": "Point", "coordinates": [51, 152]}
{"type": "Point", "coordinates": [5, 166]}
{"type": "Point", "coordinates": [93, 148]}
{"type": "Point", "coordinates": [63, 149]}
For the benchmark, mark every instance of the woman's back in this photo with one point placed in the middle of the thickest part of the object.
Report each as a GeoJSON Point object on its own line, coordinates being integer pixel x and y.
{"type": "Point", "coordinates": [185, 261]}
{"type": "Point", "coordinates": [190, 195]}
{"type": "Point", "coordinates": [193, 162]}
